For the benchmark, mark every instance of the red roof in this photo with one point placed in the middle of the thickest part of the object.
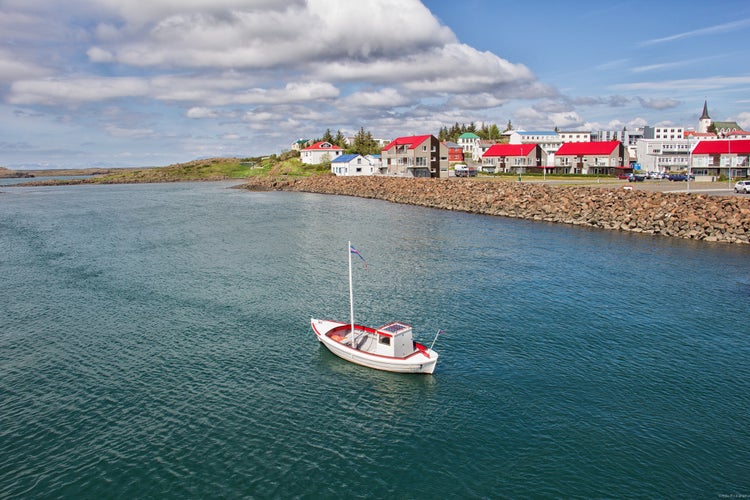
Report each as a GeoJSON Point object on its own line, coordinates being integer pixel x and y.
{"type": "Point", "coordinates": [411, 141]}
{"type": "Point", "coordinates": [587, 148]}
{"type": "Point", "coordinates": [737, 146]}
{"type": "Point", "coordinates": [509, 150]}
{"type": "Point", "coordinates": [319, 146]}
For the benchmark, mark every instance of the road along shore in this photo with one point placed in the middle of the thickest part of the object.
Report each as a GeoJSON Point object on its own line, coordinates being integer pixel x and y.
{"type": "Point", "coordinates": [682, 215]}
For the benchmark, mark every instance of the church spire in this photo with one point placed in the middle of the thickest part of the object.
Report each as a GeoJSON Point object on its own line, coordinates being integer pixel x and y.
{"type": "Point", "coordinates": [705, 116]}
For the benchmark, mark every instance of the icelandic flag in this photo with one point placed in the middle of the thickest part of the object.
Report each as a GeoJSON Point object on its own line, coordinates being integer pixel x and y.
{"type": "Point", "coordinates": [356, 252]}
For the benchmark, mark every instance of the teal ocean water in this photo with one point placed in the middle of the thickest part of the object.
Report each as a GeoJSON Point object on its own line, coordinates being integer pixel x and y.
{"type": "Point", "coordinates": [155, 343]}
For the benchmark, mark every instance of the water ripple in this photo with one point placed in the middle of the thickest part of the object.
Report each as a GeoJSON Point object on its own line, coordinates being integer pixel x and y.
{"type": "Point", "coordinates": [157, 344]}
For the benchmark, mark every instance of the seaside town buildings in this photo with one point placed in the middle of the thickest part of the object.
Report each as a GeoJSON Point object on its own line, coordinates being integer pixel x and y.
{"type": "Point", "coordinates": [416, 156]}
{"type": "Point", "coordinates": [715, 149]}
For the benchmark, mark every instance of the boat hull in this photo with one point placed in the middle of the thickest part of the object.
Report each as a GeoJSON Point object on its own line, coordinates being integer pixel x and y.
{"type": "Point", "coordinates": [422, 360]}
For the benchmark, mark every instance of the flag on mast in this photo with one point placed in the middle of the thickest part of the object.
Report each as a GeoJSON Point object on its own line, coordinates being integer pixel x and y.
{"type": "Point", "coordinates": [356, 252]}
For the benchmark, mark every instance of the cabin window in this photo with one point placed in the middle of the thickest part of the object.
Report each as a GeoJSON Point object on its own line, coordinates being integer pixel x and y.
{"type": "Point", "coordinates": [385, 340]}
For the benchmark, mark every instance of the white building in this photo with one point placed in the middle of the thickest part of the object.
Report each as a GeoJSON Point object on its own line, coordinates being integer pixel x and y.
{"type": "Point", "coordinates": [320, 152]}
{"type": "Point", "coordinates": [664, 133]}
{"type": "Point", "coordinates": [575, 136]}
{"type": "Point", "coordinates": [354, 164]}
{"type": "Point", "coordinates": [664, 155]}
{"type": "Point", "coordinates": [625, 136]}
{"type": "Point", "coordinates": [549, 142]}
{"type": "Point", "coordinates": [469, 142]}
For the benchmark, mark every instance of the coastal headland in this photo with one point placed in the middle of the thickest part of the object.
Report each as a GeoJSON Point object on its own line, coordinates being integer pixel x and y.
{"type": "Point", "coordinates": [682, 215]}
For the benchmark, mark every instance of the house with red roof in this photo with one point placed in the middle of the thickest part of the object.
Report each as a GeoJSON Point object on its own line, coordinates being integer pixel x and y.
{"type": "Point", "coordinates": [599, 158]}
{"type": "Point", "coordinates": [416, 156]}
{"type": "Point", "coordinates": [516, 158]}
{"type": "Point", "coordinates": [728, 158]}
{"type": "Point", "coordinates": [320, 152]}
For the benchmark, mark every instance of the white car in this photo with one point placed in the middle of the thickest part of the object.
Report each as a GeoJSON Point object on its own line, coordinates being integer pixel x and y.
{"type": "Point", "coordinates": [742, 187]}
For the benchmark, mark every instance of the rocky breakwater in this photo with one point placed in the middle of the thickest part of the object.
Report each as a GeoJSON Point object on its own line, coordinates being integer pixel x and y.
{"type": "Point", "coordinates": [681, 215]}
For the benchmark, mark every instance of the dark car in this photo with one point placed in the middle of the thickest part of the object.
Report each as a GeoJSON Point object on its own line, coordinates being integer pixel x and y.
{"type": "Point", "coordinates": [636, 178]}
{"type": "Point", "coordinates": [680, 177]}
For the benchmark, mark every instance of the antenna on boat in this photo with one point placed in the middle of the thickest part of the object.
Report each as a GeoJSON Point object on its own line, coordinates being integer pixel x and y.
{"type": "Point", "coordinates": [436, 336]}
{"type": "Point", "coordinates": [351, 293]}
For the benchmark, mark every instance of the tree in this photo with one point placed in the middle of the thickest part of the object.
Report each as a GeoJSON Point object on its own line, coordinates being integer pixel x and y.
{"type": "Point", "coordinates": [340, 140]}
{"type": "Point", "coordinates": [493, 132]}
{"type": "Point", "coordinates": [328, 137]}
{"type": "Point", "coordinates": [485, 131]}
{"type": "Point", "coordinates": [364, 144]}
{"type": "Point", "coordinates": [508, 127]}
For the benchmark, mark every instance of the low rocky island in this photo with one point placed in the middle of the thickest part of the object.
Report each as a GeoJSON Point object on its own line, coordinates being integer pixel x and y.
{"type": "Point", "coordinates": [682, 215]}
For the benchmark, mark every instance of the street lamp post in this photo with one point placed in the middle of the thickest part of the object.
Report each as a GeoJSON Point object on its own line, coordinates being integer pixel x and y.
{"type": "Point", "coordinates": [729, 154]}
{"type": "Point", "coordinates": [690, 162]}
{"type": "Point", "coordinates": [544, 169]}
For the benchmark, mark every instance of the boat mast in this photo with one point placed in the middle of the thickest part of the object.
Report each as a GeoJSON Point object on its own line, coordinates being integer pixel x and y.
{"type": "Point", "coordinates": [351, 293]}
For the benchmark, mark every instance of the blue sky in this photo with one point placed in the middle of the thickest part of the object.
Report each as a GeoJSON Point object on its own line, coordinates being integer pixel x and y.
{"type": "Point", "coordinates": [112, 83]}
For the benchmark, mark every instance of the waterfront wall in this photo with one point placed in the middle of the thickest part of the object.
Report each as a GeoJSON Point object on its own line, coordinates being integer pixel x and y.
{"type": "Point", "coordinates": [681, 215]}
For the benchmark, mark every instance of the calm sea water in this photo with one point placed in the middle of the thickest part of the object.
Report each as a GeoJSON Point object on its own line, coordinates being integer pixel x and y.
{"type": "Point", "coordinates": [155, 343]}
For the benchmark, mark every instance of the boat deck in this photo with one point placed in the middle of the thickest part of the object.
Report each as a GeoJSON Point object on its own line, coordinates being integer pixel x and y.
{"type": "Point", "coordinates": [363, 340]}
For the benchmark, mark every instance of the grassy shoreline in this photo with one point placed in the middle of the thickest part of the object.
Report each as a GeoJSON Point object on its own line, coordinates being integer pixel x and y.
{"type": "Point", "coordinates": [210, 169]}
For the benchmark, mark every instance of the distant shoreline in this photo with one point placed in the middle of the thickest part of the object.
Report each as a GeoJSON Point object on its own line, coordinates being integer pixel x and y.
{"type": "Point", "coordinates": [31, 174]}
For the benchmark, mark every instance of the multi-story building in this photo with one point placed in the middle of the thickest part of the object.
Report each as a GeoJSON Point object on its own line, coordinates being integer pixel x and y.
{"type": "Point", "coordinates": [468, 141]}
{"type": "Point", "coordinates": [549, 142]}
{"type": "Point", "coordinates": [571, 136]}
{"type": "Point", "coordinates": [416, 156]}
{"type": "Point", "coordinates": [664, 155]}
{"type": "Point", "coordinates": [601, 158]}
{"type": "Point", "coordinates": [728, 158]}
{"type": "Point", "coordinates": [662, 133]}
{"type": "Point", "coordinates": [517, 158]}
{"type": "Point", "coordinates": [625, 136]}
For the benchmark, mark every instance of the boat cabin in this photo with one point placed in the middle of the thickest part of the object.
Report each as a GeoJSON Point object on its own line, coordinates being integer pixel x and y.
{"type": "Point", "coordinates": [396, 340]}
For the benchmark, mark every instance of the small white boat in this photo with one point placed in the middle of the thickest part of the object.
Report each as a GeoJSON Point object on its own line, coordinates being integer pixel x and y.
{"type": "Point", "coordinates": [390, 347]}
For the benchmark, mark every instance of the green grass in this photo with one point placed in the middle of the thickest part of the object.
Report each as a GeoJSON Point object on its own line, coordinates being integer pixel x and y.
{"type": "Point", "coordinates": [195, 170]}
{"type": "Point", "coordinates": [209, 169]}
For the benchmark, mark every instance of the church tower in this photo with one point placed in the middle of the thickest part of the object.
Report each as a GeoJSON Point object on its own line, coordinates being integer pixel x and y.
{"type": "Point", "coordinates": [705, 120]}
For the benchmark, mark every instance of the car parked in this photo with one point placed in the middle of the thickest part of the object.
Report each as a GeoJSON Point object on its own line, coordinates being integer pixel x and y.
{"type": "Point", "coordinates": [636, 178]}
{"type": "Point", "coordinates": [680, 177]}
{"type": "Point", "coordinates": [742, 187]}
